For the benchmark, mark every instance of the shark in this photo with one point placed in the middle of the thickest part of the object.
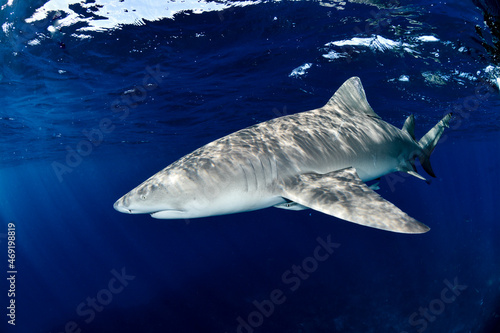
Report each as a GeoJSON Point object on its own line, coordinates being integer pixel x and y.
{"type": "Point", "coordinates": [319, 159]}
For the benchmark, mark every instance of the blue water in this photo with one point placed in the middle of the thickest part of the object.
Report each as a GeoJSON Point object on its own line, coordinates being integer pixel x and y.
{"type": "Point", "coordinates": [97, 97]}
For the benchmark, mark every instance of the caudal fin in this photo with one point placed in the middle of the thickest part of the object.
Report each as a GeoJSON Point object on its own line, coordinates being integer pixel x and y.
{"type": "Point", "coordinates": [429, 141]}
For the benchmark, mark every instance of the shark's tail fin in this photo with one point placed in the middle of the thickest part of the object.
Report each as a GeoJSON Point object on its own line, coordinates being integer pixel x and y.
{"type": "Point", "coordinates": [429, 141]}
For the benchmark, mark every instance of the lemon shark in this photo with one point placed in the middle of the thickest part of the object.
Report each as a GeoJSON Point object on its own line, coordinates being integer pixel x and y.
{"type": "Point", "coordinates": [318, 159]}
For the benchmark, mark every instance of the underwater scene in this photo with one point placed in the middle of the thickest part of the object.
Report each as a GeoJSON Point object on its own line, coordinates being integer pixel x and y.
{"type": "Point", "coordinates": [314, 204]}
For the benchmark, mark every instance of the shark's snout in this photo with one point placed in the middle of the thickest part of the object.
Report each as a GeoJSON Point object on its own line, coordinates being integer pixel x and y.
{"type": "Point", "coordinates": [139, 201]}
{"type": "Point", "coordinates": [120, 206]}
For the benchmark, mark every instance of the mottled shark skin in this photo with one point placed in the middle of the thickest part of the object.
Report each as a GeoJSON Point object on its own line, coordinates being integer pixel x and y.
{"type": "Point", "coordinates": [316, 159]}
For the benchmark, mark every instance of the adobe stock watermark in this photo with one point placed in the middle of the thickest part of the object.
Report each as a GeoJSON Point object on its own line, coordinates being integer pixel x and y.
{"type": "Point", "coordinates": [94, 137]}
{"type": "Point", "coordinates": [87, 309]}
{"type": "Point", "coordinates": [292, 279]}
{"type": "Point", "coordinates": [420, 319]}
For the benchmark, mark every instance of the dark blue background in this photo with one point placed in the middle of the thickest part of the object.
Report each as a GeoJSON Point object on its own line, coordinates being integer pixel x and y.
{"type": "Point", "coordinates": [222, 71]}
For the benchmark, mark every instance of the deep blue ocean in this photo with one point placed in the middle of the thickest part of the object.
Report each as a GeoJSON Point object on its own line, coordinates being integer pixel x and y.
{"type": "Point", "coordinates": [97, 96]}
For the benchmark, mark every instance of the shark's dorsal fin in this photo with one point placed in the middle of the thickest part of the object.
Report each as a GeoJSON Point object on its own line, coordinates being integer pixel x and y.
{"type": "Point", "coordinates": [351, 97]}
{"type": "Point", "coordinates": [344, 195]}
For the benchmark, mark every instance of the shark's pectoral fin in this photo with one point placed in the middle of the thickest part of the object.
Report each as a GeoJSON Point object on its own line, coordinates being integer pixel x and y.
{"type": "Point", "coordinates": [344, 195]}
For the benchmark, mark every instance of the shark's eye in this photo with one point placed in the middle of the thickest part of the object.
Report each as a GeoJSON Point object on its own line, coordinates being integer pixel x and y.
{"type": "Point", "coordinates": [143, 197]}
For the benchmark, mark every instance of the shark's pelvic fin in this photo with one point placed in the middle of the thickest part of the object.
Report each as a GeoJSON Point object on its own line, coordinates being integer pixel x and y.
{"type": "Point", "coordinates": [344, 195]}
{"type": "Point", "coordinates": [350, 97]}
{"type": "Point", "coordinates": [290, 205]}
{"type": "Point", "coordinates": [429, 141]}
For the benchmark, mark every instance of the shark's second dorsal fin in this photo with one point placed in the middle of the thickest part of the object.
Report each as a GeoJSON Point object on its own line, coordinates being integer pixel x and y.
{"type": "Point", "coordinates": [409, 126]}
{"type": "Point", "coordinates": [351, 97]}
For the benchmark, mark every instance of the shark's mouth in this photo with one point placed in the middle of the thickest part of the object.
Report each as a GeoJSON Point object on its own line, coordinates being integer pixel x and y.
{"type": "Point", "coordinates": [119, 207]}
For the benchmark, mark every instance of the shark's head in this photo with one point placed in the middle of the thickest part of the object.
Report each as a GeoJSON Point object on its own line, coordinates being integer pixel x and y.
{"type": "Point", "coordinates": [163, 196]}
